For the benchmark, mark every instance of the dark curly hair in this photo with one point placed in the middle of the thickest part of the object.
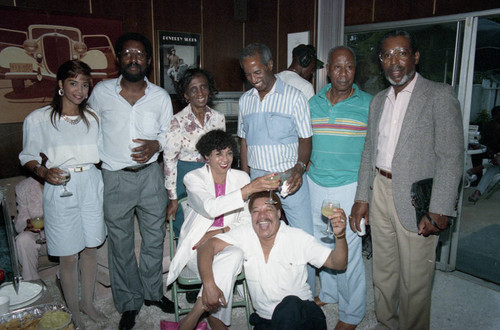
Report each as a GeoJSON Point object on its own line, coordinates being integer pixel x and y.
{"type": "Point", "coordinates": [186, 79]}
{"type": "Point", "coordinates": [136, 37]}
{"type": "Point", "coordinates": [70, 69]}
{"type": "Point", "coordinates": [215, 140]}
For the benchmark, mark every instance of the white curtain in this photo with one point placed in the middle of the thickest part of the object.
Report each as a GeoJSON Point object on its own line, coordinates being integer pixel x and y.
{"type": "Point", "coordinates": [330, 33]}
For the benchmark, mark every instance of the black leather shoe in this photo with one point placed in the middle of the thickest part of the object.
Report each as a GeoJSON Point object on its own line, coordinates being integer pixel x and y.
{"type": "Point", "coordinates": [192, 296]}
{"type": "Point", "coordinates": [166, 305]}
{"type": "Point", "coordinates": [127, 321]}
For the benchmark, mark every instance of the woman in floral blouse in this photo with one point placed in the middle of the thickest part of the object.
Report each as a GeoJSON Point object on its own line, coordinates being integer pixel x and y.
{"type": "Point", "coordinates": [197, 89]}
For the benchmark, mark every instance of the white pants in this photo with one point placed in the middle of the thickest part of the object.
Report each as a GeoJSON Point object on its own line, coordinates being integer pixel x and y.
{"type": "Point", "coordinates": [226, 267]}
{"type": "Point", "coordinates": [28, 252]}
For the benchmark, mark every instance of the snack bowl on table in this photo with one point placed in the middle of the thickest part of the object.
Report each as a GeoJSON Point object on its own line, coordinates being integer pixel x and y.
{"type": "Point", "coordinates": [31, 318]}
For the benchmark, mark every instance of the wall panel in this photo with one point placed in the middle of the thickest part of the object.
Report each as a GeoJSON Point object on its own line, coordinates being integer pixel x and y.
{"type": "Point", "coordinates": [358, 12]}
{"type": "Point", "coordinates": [178, 15]}
{"type": "Point", "coordinates": [222, 43]}
{"type": "Point", "coordinates": [396, 10]}
{"type": "Point", "coordinates": [449, 7]}
{"type": "Point", "coordinates": [73, 6]}
{"type": "Point", "coordinates": [294, 17]}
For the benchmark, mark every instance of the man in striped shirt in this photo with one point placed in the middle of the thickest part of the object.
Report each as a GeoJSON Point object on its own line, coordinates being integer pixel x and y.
{"type": "Point", "coordinates": [274, 125]}
{"type": "Point", "coordinates": [339, 115]}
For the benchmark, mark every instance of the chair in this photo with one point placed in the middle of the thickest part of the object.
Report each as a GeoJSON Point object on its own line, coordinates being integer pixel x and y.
{"type": "Point", "coordinates": [189, 281]}
{"type": "Point", "coordinates": [493, 187]}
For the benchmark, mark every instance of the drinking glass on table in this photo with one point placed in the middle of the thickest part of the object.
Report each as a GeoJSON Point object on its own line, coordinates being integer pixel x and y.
{"type": "Point", "coordinates": [38, 223]}
{"type": "Point", "coordinates": [65, 177]}
{"type": "Point", "coordinates": [327, 209]}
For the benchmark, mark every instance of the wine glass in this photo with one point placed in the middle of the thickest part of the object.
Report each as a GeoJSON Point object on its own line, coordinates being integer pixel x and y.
{"type": "Point", "coordinates": [272, 178]}
{"type": "Point", "coordinates": [65, 177]}
{"type": "Point", "coordinates": [327, 209]}
{"type": "Point", "coordinates": [38, 223]}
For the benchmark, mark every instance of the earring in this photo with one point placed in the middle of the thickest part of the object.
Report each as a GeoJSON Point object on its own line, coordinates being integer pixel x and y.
{"type": "Point", "coordinates": [60, 92]}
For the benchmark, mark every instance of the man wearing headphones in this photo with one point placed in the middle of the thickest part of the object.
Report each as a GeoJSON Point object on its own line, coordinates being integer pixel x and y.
{"type": "Point", "coordinates": [300, 72]}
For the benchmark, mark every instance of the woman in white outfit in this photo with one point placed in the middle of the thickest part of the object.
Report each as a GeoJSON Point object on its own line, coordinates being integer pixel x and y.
{"type": "Point", "coordinates": [67, 131]}
{"type": "Point", "coordinates": [217, 198]}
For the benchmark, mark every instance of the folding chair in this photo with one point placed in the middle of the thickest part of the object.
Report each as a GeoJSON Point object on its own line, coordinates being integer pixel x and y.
{"type": "Point", "coordinates": [189, 281]}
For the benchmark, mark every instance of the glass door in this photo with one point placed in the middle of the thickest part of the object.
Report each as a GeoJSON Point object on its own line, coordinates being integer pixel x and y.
{"type": "Point", "coordinates": [479, 233]}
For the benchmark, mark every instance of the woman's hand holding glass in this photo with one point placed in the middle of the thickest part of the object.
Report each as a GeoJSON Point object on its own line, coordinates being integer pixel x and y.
{"type": "Point", "coordinates": [52, 175]}
{"type": "Point", "coordinates": [267, 182]}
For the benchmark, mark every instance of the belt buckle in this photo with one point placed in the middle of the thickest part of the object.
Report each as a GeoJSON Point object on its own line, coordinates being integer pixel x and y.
{"type": "Point", "coordinates": [78, 169]}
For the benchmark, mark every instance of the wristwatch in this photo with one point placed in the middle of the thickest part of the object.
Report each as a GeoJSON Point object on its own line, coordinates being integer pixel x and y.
{"type": "Point", "coordinates": [302, 165]}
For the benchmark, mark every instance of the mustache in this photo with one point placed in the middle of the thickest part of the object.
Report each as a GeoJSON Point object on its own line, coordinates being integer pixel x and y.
{"type": "Point", "coordinates": [132, 64]}
{"type": "Point", "coordinates": [396, 68]}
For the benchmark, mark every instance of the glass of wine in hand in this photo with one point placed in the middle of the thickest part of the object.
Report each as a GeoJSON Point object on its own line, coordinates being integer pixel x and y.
{"type": "Point", "coordinates": [327, 209]}
{"type": "Point", "coordinates": [65, 177]}
{"type": "Point", "coordinates": [273, 178]}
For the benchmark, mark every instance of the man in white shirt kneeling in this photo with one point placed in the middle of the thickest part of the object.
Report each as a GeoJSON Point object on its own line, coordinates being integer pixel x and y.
{"type": "Point", "coordinates": [275, 259]}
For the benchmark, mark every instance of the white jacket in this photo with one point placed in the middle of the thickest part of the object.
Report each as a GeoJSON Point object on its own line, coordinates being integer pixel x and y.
{"type": "Point", "coordinates": [204, 207]}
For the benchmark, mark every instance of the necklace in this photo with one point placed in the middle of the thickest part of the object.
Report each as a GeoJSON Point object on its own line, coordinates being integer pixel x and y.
{"type": "Point", "coordinates": [72, 121]}
{"type": "Point", "coordinates": [331, 95]}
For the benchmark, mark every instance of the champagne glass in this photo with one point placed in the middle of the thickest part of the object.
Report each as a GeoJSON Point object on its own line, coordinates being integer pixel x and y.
{"type": "Point", "coordinates": [66, 176]}
{"type": "Point", "coordinates": [272, 178]}
{"type": "Point", "coordinates": [327, 209]}
{"type": "Point", "coordinates": [38, 223]}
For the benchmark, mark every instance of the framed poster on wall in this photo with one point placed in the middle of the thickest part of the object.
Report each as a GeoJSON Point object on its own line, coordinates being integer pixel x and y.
{"type": "Point", "coordinates": [34, 44]}
{"type": "Point", "coordinates": [179, 51]}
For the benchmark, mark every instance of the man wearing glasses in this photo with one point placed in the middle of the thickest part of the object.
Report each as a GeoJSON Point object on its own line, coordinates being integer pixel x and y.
{"type": "Point", "coordinates": [134, 117]}
{"type": "Point", "coordinates": [414, 133]}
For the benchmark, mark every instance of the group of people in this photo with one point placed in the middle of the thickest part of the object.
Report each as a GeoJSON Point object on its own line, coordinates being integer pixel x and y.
{"type": "Point", "coordinates": [339, 144]}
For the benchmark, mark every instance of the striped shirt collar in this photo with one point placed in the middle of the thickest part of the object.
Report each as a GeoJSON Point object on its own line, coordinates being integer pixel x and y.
{"type": "Point", "coordinates": [278, 87]}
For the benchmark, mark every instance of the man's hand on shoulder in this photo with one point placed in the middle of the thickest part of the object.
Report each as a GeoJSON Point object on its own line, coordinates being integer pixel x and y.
{"type": "Point", "coordinates": [426, 228]}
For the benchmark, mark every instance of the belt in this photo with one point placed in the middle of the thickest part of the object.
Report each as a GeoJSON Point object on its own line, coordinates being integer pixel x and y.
{"type": "Point", "coordinates": [388, 175]}
{"type": "Point", "coordinates": [79, 168]}
{"type": "Point", "coordinates": [136, 169]}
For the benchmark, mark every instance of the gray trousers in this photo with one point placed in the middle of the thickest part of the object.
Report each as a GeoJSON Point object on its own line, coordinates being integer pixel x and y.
{"type": "Point", "coordinates": [143, 193]}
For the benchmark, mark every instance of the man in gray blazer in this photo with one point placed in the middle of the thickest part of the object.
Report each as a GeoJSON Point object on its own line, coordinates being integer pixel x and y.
{"type": "Point", "coordinates": [414, 132]}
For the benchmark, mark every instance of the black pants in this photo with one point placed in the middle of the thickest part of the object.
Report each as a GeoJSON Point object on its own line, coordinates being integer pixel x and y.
{"type": "Point", "coordinates": [292, 313]}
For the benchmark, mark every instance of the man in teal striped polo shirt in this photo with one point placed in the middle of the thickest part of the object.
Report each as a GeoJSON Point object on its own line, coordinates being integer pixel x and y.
{"type": "Point", "coordinates": [339, 117]}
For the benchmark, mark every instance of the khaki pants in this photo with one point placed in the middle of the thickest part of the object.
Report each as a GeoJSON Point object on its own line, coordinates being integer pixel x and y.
{"type": "Point", "coordinates": [403, 265]}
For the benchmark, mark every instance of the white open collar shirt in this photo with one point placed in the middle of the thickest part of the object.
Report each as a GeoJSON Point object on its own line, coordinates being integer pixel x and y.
{"type": "Point", "coordinates": [121, 122]}
{"type": "Point", "coordinates": [285, 272]}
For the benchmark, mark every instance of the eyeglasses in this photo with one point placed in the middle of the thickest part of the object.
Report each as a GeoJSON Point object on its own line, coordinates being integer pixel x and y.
{"type": "Point", "coordinates": [399, 53]}
{"type": "Point", "coordinates": [130, 52]}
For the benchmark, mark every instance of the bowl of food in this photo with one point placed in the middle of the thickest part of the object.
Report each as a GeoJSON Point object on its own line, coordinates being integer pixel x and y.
{"type": "Point", "coordinates": [42, 317]}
